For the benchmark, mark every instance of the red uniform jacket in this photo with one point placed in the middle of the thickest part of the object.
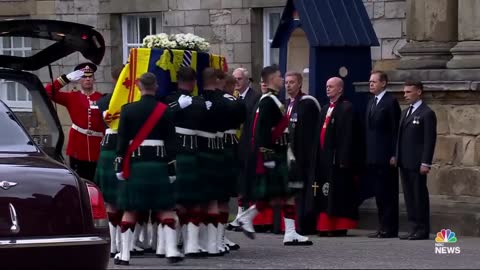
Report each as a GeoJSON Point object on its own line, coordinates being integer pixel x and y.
{"type": "Point", "coordinates": [87, 126]}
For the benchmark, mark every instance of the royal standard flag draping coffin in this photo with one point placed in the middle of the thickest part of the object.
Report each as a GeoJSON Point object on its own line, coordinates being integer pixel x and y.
{"type": "Point", "coordinates": [164, 63]}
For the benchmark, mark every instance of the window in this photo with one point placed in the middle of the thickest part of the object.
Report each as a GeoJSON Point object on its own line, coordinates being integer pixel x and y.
{"type": "Point", "coordinates": [136, 27]}
{"type": "Point", "coordinates": [271, 20]}
{"type": "Point", "coordinates": [15, 95]}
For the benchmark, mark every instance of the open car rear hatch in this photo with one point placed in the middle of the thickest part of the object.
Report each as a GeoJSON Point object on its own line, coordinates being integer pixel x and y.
{"type": "Point", "coordinates": [68, 37]}
{"type": "Point", "coordinates": [60, 39]}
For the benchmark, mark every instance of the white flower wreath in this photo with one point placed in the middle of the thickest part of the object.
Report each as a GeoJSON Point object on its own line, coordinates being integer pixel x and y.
{"type": "Point", "coordinates": [178, 41]}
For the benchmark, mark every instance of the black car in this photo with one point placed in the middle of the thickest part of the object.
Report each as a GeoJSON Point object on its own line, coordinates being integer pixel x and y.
{"type": "Point", "coordinates": [49, 217]}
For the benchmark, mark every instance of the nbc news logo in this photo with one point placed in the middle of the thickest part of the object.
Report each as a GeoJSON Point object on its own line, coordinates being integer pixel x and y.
{"type": "Point", "coordinates": [446, 236]}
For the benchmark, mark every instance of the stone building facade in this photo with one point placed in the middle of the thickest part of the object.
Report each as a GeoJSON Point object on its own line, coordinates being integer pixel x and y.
{"type": "Point", "coordinates": [436, 41]}
{"type": "Point", "coordinates": [239, 29]}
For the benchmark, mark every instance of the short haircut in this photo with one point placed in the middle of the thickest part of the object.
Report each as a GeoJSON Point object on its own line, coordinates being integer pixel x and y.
{"type": "Point", "coordinates": [417, 84]}
{"type": "Point", "coordinates": [116, 72]}
{"type": "Point", "coordinates": [267, 71]}
{"type": "Point", "coordinates": [186, 74]}
{"type": "Point", "coordinates": [148, 81]}
{"type": "Point", "coordinates": [230, 80]}
{"type": "Point", "coordinates": [295, 74]}
{"type": "Point", "coordinates": [243, 70]}
{"type": "Point", "coordinates": [220, 74]}
{"type": "Point", "coordinates": [381, 75]}
{"type": "Point", "coordinates": [209, 74]}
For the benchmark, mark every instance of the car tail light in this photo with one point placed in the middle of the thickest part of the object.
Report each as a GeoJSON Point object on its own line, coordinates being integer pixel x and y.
{"type": "Point", "coordinates": [99, 212]}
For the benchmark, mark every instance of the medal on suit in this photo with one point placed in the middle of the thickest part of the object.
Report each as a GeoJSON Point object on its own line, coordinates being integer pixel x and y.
{"type": "Point", "coordinates": [416, 120]}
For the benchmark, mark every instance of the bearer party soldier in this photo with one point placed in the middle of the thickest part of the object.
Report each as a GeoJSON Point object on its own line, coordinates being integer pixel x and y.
{"type": "Point", "coordinates": [144, 149]}
{"type": "Point", "coordinates": [188, 112]}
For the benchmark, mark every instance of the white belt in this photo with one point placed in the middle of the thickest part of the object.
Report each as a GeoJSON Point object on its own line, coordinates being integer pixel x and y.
{"type": "Point", "coordinates": [219, 134]}
{"type": "Point", "coordinates": [206, 134]}
{"type": "Point", "coordinates": [110, 131]}
{"type": "Point", "coordinates": [185, 131]}
{"type": "Point", "coordinates": [87, 131]}
{"type": "Point", "coordinates": [231, 131]}
{"type": "Point", "coordinates": [152, 143]}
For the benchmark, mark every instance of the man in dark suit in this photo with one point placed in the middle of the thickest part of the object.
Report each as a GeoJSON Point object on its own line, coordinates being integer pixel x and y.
{"type": "Point", "coordinates": [382, 118]}
{"type": "Point", "coordinates": [416, 145]}
{"type": "Point", "coordinates": [251, 97]}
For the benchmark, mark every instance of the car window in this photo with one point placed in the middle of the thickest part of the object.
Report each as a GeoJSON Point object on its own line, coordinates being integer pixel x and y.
{"type": "Point", "coordinates": [32, 114]}
{"type": "Point", "coordinates": [13, 138]}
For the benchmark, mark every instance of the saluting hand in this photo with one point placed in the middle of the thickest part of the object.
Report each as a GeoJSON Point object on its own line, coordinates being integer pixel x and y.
{"type": "Point", "coordinates": [75, 75]}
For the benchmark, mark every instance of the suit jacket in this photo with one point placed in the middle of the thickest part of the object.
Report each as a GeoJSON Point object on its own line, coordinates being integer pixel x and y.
{"type": "Point", "coordinates": [382, 130]}
{"type": "Point", "coordinates": [417, 138]}
{"type": "Point", "coordinates": [251, 99]}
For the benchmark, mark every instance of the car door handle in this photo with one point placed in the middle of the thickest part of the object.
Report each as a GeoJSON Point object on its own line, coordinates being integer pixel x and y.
{"type": "Point", "coordinates": [13, 216]}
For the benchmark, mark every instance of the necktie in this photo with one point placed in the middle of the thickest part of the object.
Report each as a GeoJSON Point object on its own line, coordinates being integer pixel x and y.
{"type": "Point", "coordinates": [410, 110]}
{"type": "Point", "coordinates": [374, 105]}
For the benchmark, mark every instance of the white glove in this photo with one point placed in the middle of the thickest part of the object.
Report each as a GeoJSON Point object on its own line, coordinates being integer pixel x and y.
{"type": "Point", "coordinates": [269, 164]}
{"type": "Point", "coordinates": [290, 155]}
{"type": "Point", "coordinates": [184, 101]}
{"type": "Point", "coordinates": [172, 179]}
{"type": "Point", "coordinates": [120, 176]}
{"type": "Point", "coordinates": [75, 76]}
{"type": "Point", "coordinates": [209, 104]}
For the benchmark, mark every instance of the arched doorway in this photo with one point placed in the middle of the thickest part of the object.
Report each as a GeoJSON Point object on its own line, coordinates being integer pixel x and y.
{"type": "Point", "coordinates": [298, 55]}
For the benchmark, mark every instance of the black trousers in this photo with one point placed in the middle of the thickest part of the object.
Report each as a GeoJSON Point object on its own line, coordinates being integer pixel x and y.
{"type": "Point", "coordinates": [417, 200]}
{"type": "Point", "coordinates": [385, 186]}
{"type": "Point", "coordinates": [85, 169]}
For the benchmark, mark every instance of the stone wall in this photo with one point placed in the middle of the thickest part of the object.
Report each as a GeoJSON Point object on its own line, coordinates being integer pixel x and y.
{"type": "Point", "coordinates": [226, 24]}
{"type": "Point", "coordinates": [388, 19]}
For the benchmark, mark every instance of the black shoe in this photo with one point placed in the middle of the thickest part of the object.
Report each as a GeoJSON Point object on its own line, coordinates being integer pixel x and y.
{"type": "Point", "coordinates": [298, 243]}
{"type": "Point", "coordinates": [405, 236]}
{"type": "Point", "coordinates": [136, 253]}
{"type": "Point", "coordinates": [161, 256]}
{"type": "Point", "coordinates": [230, 227]}
{"type": "Point", "coordinates": [149, 250]}
{"type": "Point", "coordinates": [120, 262]}
{"type": "Point", "coordinates": [196, 255]}
{"type": "Point", "coordinates": [339, 233]}
{"type": "Point", "coordinates": [387, 235]}
{"type": "Point", "coordinates": [219, 254]}
{"type": "Point", "coordinates": [234, 247]}
{"type": "Point", "coordinates": [419, 237]}
{"type": "Point", "coordinates": [112, 255]}
{"type": "Point", "coordinates": [323, 234]}
{"type": "Point", "coordinates": [374, 235]}
{"type": "Point", "coordinates": [173, 260]}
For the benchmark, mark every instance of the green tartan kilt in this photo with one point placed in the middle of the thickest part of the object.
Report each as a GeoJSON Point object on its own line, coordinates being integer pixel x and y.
{"type": "Point", "coordinates": [274, 183]}
{"type": "Point", "coordinates": [105, 176]}
{"type": "Point", "coordinates": [231, 172]}
{"type": "Point", "coordinates": [189, 188]}
{"type": "Point", "coordinates": [212, 172]}
{"type": "Point", "coordinates": [147, 188]}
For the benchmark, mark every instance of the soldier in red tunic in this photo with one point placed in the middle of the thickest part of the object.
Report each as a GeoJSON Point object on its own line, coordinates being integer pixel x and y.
{"type": "Point", "coordinates": [87, 127]}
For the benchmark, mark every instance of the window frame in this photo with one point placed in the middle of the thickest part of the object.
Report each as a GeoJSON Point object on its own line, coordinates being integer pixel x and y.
{"type": "Point", "coordinates": [15, 105]}
{"type": "Point", "coordinates": [267, 12]}
{"type": "Point", "coordinates": [125, 17]}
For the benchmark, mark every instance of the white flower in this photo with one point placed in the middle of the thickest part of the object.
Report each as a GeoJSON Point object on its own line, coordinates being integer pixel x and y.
{"type": "Point", "coordinates": [176, 41]}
